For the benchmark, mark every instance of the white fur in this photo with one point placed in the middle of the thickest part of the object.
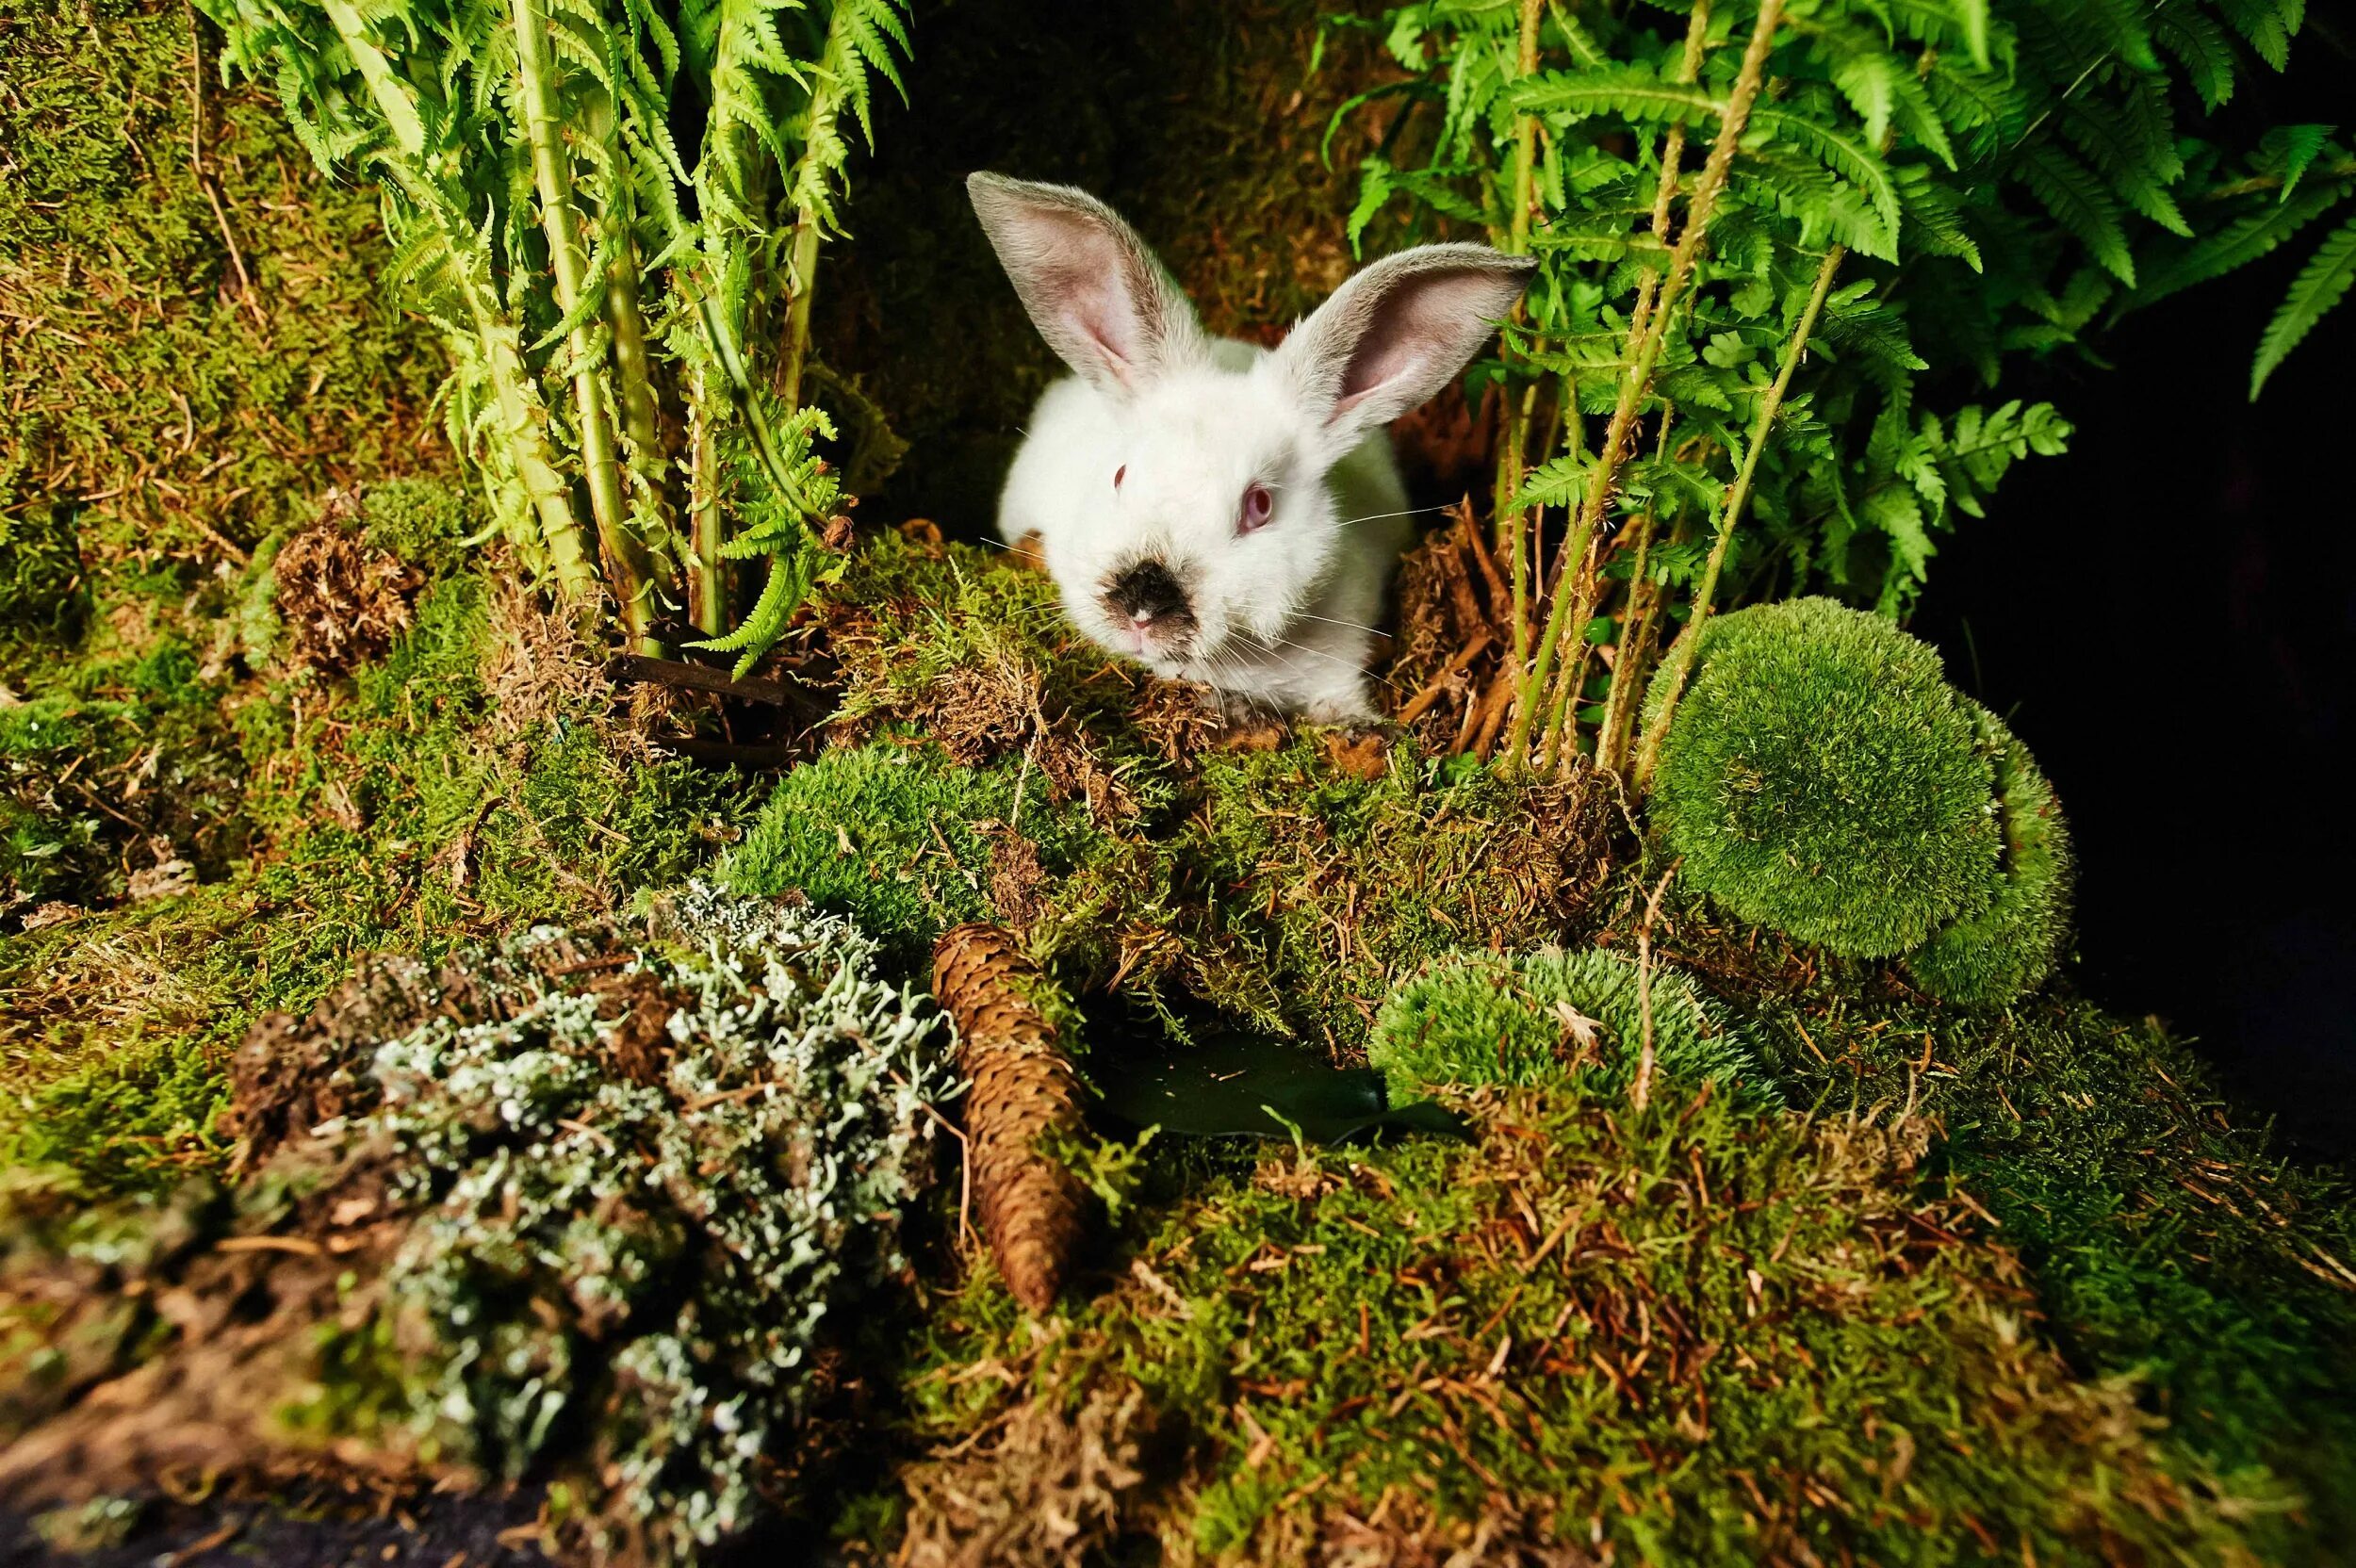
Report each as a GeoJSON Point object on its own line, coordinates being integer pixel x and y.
{"type": "Point", "coordinates": [1287, 612]}
{"type": "Point", "coordinates": [1283, 616]}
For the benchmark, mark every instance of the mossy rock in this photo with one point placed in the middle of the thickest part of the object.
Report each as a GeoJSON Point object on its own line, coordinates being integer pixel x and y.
{"type": "Point", "coordinates": [1822, 779]}
{"type": "Point", "coordinates": [2009, 949]}
{"type": "Point", "coordinates": [1546, 1017]}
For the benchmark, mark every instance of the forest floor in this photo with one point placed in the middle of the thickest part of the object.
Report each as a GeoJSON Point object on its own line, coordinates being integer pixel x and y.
{"type": "Point", "coordinates": [1927, 1284]}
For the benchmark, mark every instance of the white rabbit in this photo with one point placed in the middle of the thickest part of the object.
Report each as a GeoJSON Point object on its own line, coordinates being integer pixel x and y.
{"type": "Point", "coordinates": [1217, 512]}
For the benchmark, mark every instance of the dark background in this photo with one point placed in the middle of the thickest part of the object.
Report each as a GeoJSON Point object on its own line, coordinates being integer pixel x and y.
{"type": "Point", "coordinates": [2167, 616]}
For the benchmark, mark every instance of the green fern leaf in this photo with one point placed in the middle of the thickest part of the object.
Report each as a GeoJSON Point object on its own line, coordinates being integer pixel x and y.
{"type": "Point", "coordinates": [2293, 149]}
{"type": "Point", "coordinates": [2201, 47]}
{"type": "Point", "coordinates": [1560, 482]}
{"type": "Point", "coordinates": [2253, 235]}
{"type": "Point", "coordinates": [1848, 156]}
{"type": "Point", "coordinates": [2319, 286]}
{"type": "Point", "coordinates": [1631, 92]}
{"type": "Point", "coordinates": [790, 575]}
{"type": "Point", "coordinates": [2267, 25]}
{"type": "Point", "coordinates": [2076, 199]}
{"type": "Point", "coordinates": [1934, 213]}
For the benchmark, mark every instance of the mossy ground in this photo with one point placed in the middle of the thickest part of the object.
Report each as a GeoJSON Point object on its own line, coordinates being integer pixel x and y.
{"type": "Point", "coordinates": [1967, 1314]}
{"type": "Point", "coordinates": [1697, 1335]}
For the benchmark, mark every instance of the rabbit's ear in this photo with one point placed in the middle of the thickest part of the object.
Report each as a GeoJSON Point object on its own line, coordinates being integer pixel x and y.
{"type": "Point", "coordinates": [1096, 293]}
{"type": "Point", "coordinates": [1394, 335]}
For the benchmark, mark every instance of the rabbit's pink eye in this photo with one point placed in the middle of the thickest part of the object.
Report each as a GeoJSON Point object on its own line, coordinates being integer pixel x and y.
{"type": "Point", "coordinates": [1118, 474]}
{"type": "Point", "coordinates": [1258, 505]}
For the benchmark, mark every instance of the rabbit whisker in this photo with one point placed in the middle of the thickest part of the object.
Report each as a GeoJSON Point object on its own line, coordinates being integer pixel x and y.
{"type": "Point", "coordinates": [1378, 516]}
{"type": "Point", "coordinates": [1330, 621]}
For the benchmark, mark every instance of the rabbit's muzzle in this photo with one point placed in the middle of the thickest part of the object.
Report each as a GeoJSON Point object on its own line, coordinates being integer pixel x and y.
{"type": "Point", "coordinates": [1146, 600]}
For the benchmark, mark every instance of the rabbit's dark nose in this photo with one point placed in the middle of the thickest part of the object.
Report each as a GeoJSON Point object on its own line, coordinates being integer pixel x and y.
{"type": "Point", "coordinates": [1147, 594]}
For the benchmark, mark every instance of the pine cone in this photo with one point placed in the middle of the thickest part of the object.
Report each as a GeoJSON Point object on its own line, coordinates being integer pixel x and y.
{"type": "Point", "coordinates": [1024, 1089]}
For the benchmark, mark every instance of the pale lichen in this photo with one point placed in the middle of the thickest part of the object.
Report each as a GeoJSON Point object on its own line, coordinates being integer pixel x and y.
{"type": "Point", "coordinates": [676, 1165]}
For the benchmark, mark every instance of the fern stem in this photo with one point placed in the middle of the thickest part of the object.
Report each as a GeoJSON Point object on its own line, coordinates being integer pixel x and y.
{"type": "Point", "coordinates": [802, 279]}
{"type": "Point", "coordinates": [707, 570]}
{"type": "Point", "coordinates": [1513, 522]}
{"type": "Point", "coordinates": [838, 66]}
{"type": "Point", "coordinates": [627, 562]}
{"type": "Point", "coordinates": [1738, 498]}
{"type": "Point", "coordinates": [633, 366]}
{"type": "Point", "coordinates": [1643, 598]}
{"type": "Point", "coordinates": [526, 432]}
{"type": "Point", "coordinates": [526, 429]}
{"type": "Point", "coordinates": [1603, 479]}
{"type": "Point", "coordinates": [1513, 532]}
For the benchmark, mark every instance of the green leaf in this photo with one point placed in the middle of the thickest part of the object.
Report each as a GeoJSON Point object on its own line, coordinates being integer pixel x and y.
{"type": "Point", "coordinates": [2201, 48]}
{"type": "Point", "coordinates": [1631, 92]}
{"type": "Point", "coordinates": [2267, 23]}
{"type": "Point", "coordinates": [1558, 481]}
{"type": "Point", "coordinates": [2245, 239]}
{"type": "Point", "coordinates": [1848, 156]}
{"type": "Point", "coordinates": [2078, 202]}
{"type": "Point", "coordinates": [2320, 287]}
{"type": "Point", "coordinates": [2293, 149]}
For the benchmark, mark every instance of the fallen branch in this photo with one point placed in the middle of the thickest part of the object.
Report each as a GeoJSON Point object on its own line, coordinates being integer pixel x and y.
{"type": "Point", "coordinates": [631, 669]}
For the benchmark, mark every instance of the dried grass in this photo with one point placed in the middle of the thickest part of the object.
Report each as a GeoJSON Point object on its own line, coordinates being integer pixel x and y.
{"type": "Point", "coordinates": [340, 600]}
{"type": "Point", "coordinates": [1040, 1487]}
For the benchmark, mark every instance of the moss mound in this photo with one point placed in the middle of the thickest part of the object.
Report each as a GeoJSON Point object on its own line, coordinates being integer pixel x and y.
{"type": "Point", "coordinates": [1823, 778]}
{"type": "Point", "coordinates": [216, 350]}
{"type": "Point", "coordinates": [2009, 948]}
{"type": "Point", "coordinates": [911, 845]}
{"type": "Point", "coordinates": [1548, 1018]}
{"type": "Point", "coordinates": [1701, 1334]}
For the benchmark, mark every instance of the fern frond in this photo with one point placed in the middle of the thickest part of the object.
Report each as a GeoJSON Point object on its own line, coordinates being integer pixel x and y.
{"type": "Point", "coordinates": [2077, 201]}
{"type": "Point", "coordinates": [1847, 156]}
{"type": "Point", "coordinates": [2201, 48]}
{"type": "Point", "coordinates": [2265, 25]}
{"type": "Point", "coordinates": [1630, 93]}
{"type": "Point", "coordinates": [2290, 151]}
{"type": "Point", "coordinates": [2245, 239]}
{"type": "Point", "coordinates": [1560, 482]}
{"type": "Point", "coordinates": [2319, 286]}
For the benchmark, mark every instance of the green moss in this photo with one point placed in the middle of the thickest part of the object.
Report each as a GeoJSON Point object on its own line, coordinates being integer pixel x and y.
{"type": "Point", "coordinates": [1176, 870]}
{"type": "Point", "coordinates": [1325, 889]}
{"type": "Point", "coordinates": [2168, 1244]}
{"type": "Point", "coordinates": [1546, 1017]}
{"type": "Point", "coordinates": [119, 765]}
{"type": "Point", "coordinates": [972, 649]}
{"type": "Point", "coordinates": [2009, 948]}
{"type": "Point", "coordinates": [124, 1120]}
{"type": "Point", "coordinates": [188, 410]}
{"type": "Point", "coordinates": [413, 811]}
{"type": "Point", "coordinates": [1704, 1334]}
{"type": "Point", "coordinates": [43, 595]}
{"type": "Point", "coordinates": [423, 521]}
{"type": "Point", "coordinates": [901, 839]}
{"type": "Point", "coordinates": [1822, 779]}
